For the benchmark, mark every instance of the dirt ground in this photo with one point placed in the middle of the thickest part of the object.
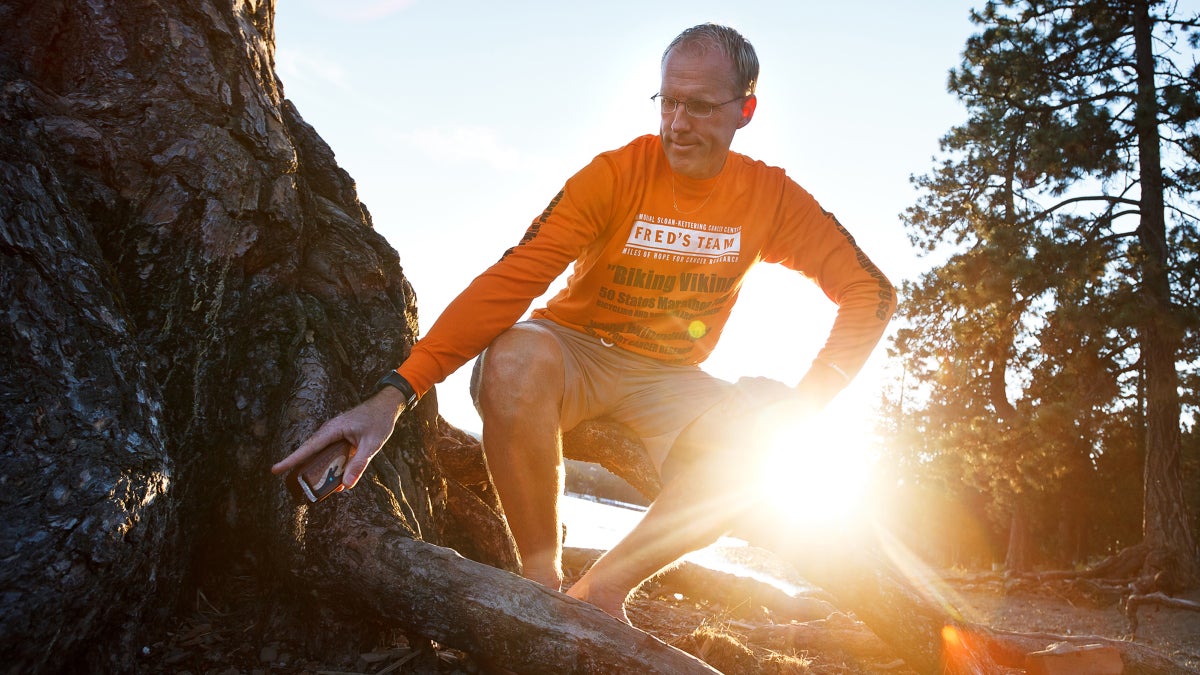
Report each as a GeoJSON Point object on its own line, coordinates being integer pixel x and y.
{"type": "Point", "coordinates": [211, 640]}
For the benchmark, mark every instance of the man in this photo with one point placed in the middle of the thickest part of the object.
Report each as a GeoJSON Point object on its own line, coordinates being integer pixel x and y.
{"type": "Point", "coordinates": [661, 233]}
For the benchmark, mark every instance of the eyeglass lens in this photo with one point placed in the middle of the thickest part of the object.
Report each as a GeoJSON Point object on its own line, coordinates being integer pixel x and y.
{"type": "Point", "coordinates": [669, 104]}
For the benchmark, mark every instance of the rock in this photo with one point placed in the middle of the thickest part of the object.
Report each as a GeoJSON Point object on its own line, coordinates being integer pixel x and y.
{"type": "Point", "coordinates": [1067, 659]}
{"type": "Point", "coordinates": [268, 654]}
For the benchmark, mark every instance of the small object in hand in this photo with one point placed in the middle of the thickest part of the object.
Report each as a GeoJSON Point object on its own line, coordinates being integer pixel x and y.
{"type": "Point", "coordinates": [321, 475]}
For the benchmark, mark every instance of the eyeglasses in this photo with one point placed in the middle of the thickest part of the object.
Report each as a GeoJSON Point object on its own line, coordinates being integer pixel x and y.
{"type": "Point", "coordinates": [669, 104]}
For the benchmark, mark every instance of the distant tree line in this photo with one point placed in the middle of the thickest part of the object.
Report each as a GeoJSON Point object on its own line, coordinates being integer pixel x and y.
{"type": "Point", "coordinates": [1045, 401]}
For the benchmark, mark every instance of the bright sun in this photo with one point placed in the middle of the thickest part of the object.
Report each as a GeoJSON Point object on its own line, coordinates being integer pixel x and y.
{"type": "Point", "coordinates": [817, 471]}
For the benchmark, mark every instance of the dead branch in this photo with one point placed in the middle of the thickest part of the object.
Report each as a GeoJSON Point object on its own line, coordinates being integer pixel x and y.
{"type": "Point", "coordinates": [1134, 602]}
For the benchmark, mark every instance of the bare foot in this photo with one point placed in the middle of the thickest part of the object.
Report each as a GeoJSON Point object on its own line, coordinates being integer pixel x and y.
{"type": "Point", "coordinates": [612, 602]}
{"type": "Point", "coordinates": [548, 574]}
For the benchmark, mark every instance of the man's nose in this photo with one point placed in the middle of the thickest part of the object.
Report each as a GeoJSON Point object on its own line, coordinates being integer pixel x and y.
{"type": "Point", "coordinates": [680, 119]}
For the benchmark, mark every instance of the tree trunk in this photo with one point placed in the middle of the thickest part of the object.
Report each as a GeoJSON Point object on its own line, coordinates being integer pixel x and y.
{"type": "Point", "coordinates": [1173, 557]}
{"type": "Point", "coordinates": [1016, 559]}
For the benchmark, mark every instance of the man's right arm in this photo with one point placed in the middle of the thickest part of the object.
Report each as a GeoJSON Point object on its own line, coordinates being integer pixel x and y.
{"type": "Point", "coordinates": [501, 295]}
{"type": "Point", "coordinates": [491, 304]}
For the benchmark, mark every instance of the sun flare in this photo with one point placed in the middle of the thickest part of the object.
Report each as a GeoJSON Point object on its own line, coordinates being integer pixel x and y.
{"type": "Point", "coordinates": [817, 471]}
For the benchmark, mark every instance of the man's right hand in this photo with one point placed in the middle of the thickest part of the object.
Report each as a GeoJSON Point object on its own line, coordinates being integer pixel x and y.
{"type": "Point", "coordinates": [366, 427]}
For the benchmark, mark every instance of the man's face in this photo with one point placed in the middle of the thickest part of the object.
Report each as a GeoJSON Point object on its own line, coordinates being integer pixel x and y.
{"type": "Point", "coordinates": [696, 146]}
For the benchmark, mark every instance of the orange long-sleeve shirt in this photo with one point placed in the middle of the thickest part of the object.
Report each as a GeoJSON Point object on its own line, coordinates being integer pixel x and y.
{"type": "Point", "coordinates": [659, 260]}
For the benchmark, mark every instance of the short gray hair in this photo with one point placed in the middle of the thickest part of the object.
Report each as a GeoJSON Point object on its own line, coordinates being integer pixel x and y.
{"type": "Point", "coordinates": [727, 41]}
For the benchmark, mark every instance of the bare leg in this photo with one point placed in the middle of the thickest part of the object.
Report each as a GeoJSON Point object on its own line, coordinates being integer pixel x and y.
{"type": "Point", "coordinates": [519, 397]}
{"type": "Point", "coordinates": [708, 484]}
{"type": "Point", "coordinates": [693, 510]}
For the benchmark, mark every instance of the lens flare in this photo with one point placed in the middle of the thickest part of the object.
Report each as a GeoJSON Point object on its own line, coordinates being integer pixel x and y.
{"type": "Point", "coordinates": [950, 638]}
{"type": "Point", "coordinates": [817, 471]}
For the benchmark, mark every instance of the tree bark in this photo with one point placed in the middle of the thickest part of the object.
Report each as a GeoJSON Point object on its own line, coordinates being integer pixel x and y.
{"type": "Point", "coordinates": [616, 448]}
{"type": "Point", "coordinates": [84, 512]}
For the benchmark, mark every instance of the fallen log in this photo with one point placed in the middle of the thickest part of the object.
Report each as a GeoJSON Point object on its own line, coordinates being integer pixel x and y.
{"type": "Point", "coordinates": [1123, 565]}
{"type": "Point", "coordinates": [1063, 659]}
{"type": "Point", "coordinates": [615, 447]}
{"type": "Point", "coordinates": [859, 578]}
{"type": "Point", "coordinates": [737, 593]}
{"type": "Point", "coordinates": [886, 588]}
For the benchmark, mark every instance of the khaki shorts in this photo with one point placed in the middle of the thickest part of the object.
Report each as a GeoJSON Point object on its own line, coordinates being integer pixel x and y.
{"type": "Point", "coordinates": [656, 400]}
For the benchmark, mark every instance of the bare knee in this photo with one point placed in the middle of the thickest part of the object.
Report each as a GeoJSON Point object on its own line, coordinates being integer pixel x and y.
{"type": "Point", "coordinates": [521, 371]}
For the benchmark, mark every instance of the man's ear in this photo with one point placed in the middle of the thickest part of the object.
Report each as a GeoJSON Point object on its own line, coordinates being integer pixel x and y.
{"type": "Point", "coordinates": [748, 110]}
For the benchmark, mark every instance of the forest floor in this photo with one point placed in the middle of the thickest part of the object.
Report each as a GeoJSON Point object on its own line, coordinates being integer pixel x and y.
{"type": "Point", "coordinates": [214, 638]}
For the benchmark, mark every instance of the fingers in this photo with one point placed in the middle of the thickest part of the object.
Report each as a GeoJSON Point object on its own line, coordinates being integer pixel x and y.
{"type": "Point", "coordinates": [366, 428]}
{"type": "Point", "coordinates": [328, 434]}
{"type": "Point", "coordinates": [373, 421]}
{"type": "Point", "coordinates": [367, 446]}
{"type": "Point", "coordinates": [358, 463]}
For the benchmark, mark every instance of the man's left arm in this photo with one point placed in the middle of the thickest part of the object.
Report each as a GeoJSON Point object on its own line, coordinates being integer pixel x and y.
{"type": "Point", "coordinates": [818, 246]}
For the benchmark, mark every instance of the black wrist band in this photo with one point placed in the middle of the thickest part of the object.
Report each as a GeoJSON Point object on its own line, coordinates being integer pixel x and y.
{"type": "Point", "coordinates": [394, 379]}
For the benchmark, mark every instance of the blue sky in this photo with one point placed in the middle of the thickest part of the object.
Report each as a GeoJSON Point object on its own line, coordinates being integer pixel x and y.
{"type": "Point", "coordinates": [460, 120]}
